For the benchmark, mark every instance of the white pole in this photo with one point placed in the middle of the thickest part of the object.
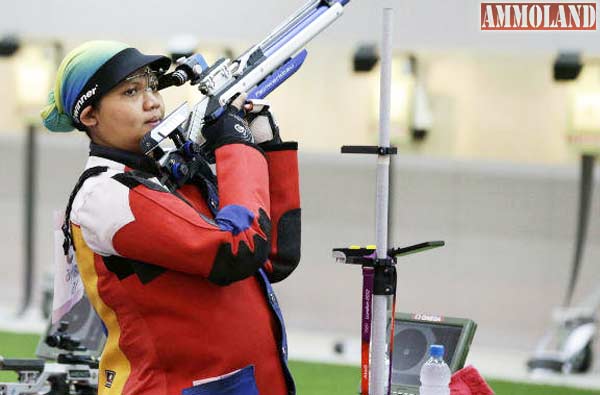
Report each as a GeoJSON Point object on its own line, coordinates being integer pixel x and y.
{"type": "Point", "coordinates": [379, 371]}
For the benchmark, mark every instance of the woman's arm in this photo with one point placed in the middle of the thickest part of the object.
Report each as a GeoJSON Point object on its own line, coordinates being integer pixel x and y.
{"type": "Point", "coordinates": [162, 229]}
{"type": "Point", "coordinates": [284, 192]}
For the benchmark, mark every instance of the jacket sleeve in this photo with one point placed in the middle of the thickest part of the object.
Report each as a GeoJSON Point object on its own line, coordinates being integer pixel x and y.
{"type": "Point", "coordinates": [284, 192]}
{"type": "Point", "coordinates": [166, 230]}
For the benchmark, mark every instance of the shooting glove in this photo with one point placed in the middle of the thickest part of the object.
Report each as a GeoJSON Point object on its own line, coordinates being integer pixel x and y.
{"type": "Point", "coordinates": [262, 123]}
{"type": "Point", "coordinates": [229, 128]}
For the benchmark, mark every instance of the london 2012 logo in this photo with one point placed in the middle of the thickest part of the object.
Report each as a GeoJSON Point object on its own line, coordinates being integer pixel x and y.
{"type": "Point", "coordinates": [538, 16]}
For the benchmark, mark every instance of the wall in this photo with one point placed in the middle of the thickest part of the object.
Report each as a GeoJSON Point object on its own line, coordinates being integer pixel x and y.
{"type": "Point", "coordinates": [419, 24]}
{"type": "Point", "coordinates": [509, 231]}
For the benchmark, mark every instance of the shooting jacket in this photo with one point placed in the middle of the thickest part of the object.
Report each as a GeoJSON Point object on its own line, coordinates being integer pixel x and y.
{"type": "Point", "coordinates": [182, 279]}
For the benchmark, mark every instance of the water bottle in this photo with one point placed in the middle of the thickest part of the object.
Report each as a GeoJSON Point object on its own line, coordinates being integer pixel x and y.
{"type": "Point", "coordinates": [435, 373]}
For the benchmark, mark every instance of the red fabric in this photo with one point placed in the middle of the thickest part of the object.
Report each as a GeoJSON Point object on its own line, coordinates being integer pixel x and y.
{"type": "Point", "coordinates": [180, 327]}
{"type": "Point", "coordinates": [468, 381]}
{"type": "Point", "coordinates": [284, 191]}
{"type": "Point", "coordinates": [192, 244]}
{"type": "Point", "coordinates": [243, 177]}
{"type": "Point", "coordinates": [283, 182]}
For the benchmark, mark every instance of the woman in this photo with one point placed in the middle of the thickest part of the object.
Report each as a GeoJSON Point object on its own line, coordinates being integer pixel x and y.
{"type": "Point", "coordinates": [180, 278]}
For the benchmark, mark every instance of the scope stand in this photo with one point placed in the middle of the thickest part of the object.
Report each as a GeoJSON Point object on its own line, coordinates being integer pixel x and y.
{"type": "Point", "coordinates": [379, 276]}
{"type": "Point", "coordinates": [378, 262]}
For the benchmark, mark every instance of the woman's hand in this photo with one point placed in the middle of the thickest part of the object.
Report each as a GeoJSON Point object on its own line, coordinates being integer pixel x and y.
{"type": "Point", "coordinates": [262, 123]}
{"type": "Point", "coordinates": [229, 128]}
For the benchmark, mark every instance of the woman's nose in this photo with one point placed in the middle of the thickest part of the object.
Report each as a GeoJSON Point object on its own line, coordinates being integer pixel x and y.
{"type": "Point", "coordinates": [151, 99]}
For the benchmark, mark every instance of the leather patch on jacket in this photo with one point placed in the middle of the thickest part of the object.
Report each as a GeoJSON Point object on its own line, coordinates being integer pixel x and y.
{"type": "Point", "coordinates": [125, 267]}
{"type": "Point", "coordinates": [288, 246]}
{"type": "Point", "coordinates": [228, 268]}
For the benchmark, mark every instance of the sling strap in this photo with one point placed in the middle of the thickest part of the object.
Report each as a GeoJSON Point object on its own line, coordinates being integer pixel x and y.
{"type": "Point", "coordinates": [66, 227]}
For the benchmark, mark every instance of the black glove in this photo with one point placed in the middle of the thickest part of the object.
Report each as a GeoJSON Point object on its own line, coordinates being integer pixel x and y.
{"type": "Point", "coordinates": [229, 128]}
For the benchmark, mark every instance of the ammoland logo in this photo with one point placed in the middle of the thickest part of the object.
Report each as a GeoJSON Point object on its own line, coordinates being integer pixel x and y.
{"type": "Point", "coordinates": [538, 16]}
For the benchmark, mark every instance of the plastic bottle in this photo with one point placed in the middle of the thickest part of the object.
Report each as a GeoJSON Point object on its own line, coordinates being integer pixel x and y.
{"type": "Point", "coordinates": [435, 373]}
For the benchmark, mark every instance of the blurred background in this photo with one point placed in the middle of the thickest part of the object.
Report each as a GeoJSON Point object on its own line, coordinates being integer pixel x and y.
{"type": "Point", "coordinates": [489, 138]}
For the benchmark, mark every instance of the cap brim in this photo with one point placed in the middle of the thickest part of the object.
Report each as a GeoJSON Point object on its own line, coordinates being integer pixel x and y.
{"type": "Point", "coordinates": [129, 60]}
{"type": "Point", "coordinates": [158, 62]}
{"type": "Point", "coordinates": [138, 60]}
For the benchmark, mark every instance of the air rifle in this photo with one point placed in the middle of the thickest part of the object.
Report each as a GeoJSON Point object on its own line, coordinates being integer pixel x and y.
{"type": "Point", "coordinates": [257, 72]}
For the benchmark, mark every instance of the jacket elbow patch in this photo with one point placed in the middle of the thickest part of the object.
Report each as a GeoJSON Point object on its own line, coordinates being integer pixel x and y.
{"type": "Point", "coordinates": [288, 246]}
{"type": "Point", "coordinates": [229, 267]}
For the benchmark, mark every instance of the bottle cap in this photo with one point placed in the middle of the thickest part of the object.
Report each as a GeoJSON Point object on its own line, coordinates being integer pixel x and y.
{"type": "Point", "coordinates": [436, 350]}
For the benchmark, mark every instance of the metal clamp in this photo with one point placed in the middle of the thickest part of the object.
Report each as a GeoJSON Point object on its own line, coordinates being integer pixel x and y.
{"type": "Point", "coordinates": [369, 149]}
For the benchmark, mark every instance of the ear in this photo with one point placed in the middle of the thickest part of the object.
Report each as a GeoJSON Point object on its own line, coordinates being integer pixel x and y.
{"type": "Point", "coordinates": [89, 117]}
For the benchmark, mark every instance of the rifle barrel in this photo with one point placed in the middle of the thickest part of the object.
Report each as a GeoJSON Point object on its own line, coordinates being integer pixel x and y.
{"type": "Point", "coordinates": [293, 21]}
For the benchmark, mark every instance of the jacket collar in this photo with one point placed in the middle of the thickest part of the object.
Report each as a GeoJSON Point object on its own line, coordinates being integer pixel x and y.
{"type": "Point", "coordinates": [130, 159]}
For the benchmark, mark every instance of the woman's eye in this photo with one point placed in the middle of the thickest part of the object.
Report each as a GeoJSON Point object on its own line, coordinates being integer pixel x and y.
{"type": "Point", "coordinates": [130, 92]}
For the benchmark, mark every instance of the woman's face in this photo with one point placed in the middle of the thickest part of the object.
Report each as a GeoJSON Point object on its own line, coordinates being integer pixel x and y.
{"type": "Point", "coordinates": [126, 113]}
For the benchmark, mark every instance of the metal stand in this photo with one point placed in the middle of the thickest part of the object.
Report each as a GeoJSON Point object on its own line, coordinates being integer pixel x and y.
{"type": "Point", "coordinates": [29, 215]}
{"type": "Point", "coordinates": [567, 346]}
{"type": "Point", "coordinates": [586, 187]}
{"type": "Point", "coordinates": [378, 263]}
